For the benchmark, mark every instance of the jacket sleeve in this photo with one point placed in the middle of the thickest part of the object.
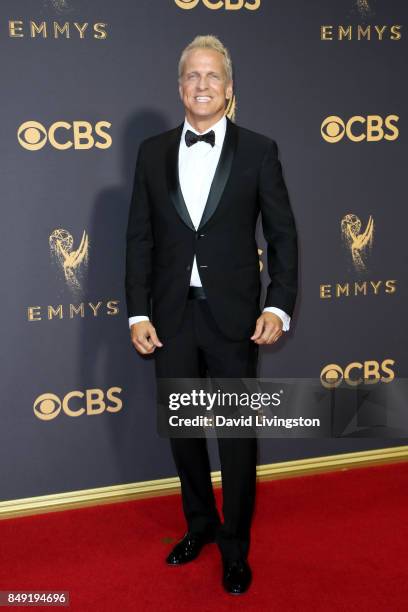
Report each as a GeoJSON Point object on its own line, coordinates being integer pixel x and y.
{"type": "Point", "coordinates": [279, 229]}
{"type": "Point", "coordinates": [139, 245]}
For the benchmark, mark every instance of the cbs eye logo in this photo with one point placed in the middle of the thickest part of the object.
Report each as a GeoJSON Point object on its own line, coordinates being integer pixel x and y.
{"type": "Point", "coordinates": [371, 128]}
{"type": "Point", "coordinates": [215, 5]}
{"type": "Point", "coordinates": [355, 373]}
{"type": "Point", "coordinates": [62, 135]}
{"type": "Point", "coordinates": [48, 406]}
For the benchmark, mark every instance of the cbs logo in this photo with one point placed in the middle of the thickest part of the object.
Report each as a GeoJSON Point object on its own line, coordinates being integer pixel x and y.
{"type": "Point", "coordinates": [371, 128]}
{"type": "Point", "coordinates": [75, 403]}
{"type": "Point", "coordinates": [229, 5]}
{"type": "Point", "coordinates": [355, 373]}
{"type": "Point", "coordinates": [62, 135]}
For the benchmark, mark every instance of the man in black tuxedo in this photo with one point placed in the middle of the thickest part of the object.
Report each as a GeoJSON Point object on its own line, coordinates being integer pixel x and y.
{"type": "Point", "coordinates": [193, 282]}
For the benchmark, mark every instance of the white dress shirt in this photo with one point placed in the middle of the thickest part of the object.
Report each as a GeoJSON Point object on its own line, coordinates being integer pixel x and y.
{"type": "Point", "coordinates": [197, 165]}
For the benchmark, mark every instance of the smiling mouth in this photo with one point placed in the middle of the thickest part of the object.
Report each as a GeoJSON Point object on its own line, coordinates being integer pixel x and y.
{"type": "Point", "coordinates": [202, 99]}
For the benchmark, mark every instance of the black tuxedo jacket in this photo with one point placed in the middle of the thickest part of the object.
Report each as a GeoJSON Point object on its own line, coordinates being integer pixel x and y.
{"type": "Point", "coordinates": [162, 240]}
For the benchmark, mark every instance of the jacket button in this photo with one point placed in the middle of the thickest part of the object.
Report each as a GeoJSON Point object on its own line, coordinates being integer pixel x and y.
{"type": "Point", "coordinates": [188, 268]}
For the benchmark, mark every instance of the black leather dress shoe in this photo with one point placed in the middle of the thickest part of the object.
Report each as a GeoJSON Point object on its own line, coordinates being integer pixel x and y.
{"type": "Point", "coordinates": [188, 548]}
{"type": "Point", "coordinates": [237, 576]}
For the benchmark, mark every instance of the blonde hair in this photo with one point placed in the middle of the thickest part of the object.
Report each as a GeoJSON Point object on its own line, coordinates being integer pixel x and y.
{"type": "Point", "coordinates": [207, 42]}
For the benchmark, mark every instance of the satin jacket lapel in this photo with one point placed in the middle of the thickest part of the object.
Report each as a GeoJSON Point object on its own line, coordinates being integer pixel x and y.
{"type": "Point", "coordinates": [175, 192]}
{"type": "Point", "coordinates": [222, 172]}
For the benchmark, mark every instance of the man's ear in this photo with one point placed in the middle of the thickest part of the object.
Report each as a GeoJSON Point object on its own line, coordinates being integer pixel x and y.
{"type": "Point", "coordinates": [229, 90]}
{"type": "Point", "coordinates": [180, 92]}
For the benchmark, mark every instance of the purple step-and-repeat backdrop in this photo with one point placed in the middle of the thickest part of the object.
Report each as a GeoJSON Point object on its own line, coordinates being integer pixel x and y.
{"type": "Point", "coordinates": [82, 84]}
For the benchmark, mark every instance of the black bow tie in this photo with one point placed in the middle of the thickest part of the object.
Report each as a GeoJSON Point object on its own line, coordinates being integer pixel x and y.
{"type": "Point", "coordinates": [192, 138]}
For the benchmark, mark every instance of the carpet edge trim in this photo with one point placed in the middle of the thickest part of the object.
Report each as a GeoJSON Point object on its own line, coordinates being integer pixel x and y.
{"type": "Point", "coordinates": [166, 486]}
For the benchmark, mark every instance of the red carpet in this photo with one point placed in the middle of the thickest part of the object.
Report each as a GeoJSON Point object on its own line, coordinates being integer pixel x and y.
{"type": "Point", "coordinates": [329, 542]}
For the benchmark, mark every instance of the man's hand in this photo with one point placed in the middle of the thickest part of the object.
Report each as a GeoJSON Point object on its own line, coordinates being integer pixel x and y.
{"type": "Point", "coordinates": [268, 328]}
{"type": "Point", "coordinates": [144, 337]}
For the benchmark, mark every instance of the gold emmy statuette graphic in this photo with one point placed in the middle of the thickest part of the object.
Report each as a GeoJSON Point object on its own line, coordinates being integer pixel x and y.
{"type": "Point", "coordinates": [61, 243]}
{"type": "Point", "coordinates": [363, 6]}
{"type": "Point", "coordinates": [60, 5]}
{"type": "Point", "coordinates": [357, 241]}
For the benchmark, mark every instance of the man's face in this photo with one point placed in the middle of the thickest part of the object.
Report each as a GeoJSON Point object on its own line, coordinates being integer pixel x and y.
{"type": "Point", "coordinates": [203, 87]}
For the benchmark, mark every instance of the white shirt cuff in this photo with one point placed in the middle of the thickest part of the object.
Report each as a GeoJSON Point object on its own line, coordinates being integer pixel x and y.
{"type": "Point", "coordinates": [137, 319]}
{"type": "Point", "coordinates": [285, 318]}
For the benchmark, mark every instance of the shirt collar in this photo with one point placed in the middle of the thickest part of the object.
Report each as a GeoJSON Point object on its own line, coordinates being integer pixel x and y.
{"type": "Point", "coordinates": [219, 129]}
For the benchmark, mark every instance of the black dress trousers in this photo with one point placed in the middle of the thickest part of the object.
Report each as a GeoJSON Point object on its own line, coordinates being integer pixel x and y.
{"type": "Point", "coordinates": [198, 349]}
